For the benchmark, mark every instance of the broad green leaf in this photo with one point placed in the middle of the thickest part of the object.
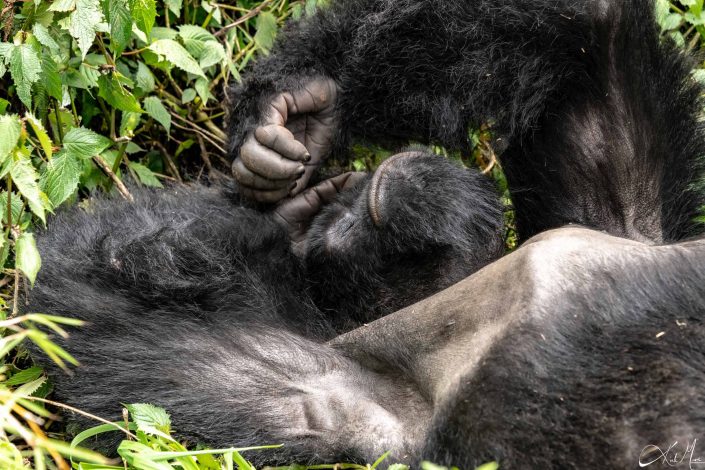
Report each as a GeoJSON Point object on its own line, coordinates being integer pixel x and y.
{"type": "Point", "coordinates": [112, 91]}
{"type": "Point", "coordinates": [672, 21]}
{"type": "Point", "coordinates": [194, 37]}
{"type": "Point", "coordinates": [44, 37]}
{"type": "Point", "coordinates": [144, 78]}
{"type": "Point", "coordinates": [149, 418]}
{"type": "Point", "coordinates": [61, 178]}
{"type": "Point", "coordinates": [266, 31]}
{"type": "Point", "coordinates": [175, 53]}
{"type": "Point", "coordinates": [145, 175]}
{"type": "Point", "coordinates": [41, 134]}
{"type": "Point", "coordinates": [144, 13]}
{"type": "Point", "coordinates": [84, 23]}
{"type": "Point", "coordinates": [27, 257]}
{"type": "Point", "coordinates": [3, 104]}
{"type": "Point", "coordinates": [51, 78]}
{"type": "Point", "coordinates": [84, 143]}
{"type": "Point", "coordinates": [25, 177]}
{"type": "Point", "coordinates": [10, 130]}
{"type": "Point", "coordinates": [120, 25]}
{"type": "Point", "coordinates": [25, 69]}
{"type": "Point", "coordinates": [213, 53]}
{"type": "Point", "coordinates": [156, 110]}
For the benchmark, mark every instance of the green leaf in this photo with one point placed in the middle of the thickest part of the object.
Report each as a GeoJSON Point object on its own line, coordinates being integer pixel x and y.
{"type": "Point", "coordinates": [266, 31]}
{"type": "Point", "coordinates": [27, 257]}
{"type": "Point", "coordinates": [51, 78]}
{"type": "Point", "coordinates": [149, 418]}
{"type": "Point", "coordinates": [25, 177]}
{"type": "Point", "coordinates": [84, 143]}
{"type": "Point", "coordinates": [194, 37]}
{"type": "Point", "coordinates": [175, 53]}
{"type": "Point", "coordinates": [61, 178]}
{"type": "Point", "coordinates": [203, 89]}
{"type": "Point", "coordinates": [24, 376]}
{"type": "Point", "coordinates": [84, 22]}
{"type": "Point", "coordinates": [25, 68]}
{"type": "Point", "coordinates": [672, 21]}
{"type": "Point", "coordinates": [144, 13]}
{"type": "Point", "coordinates": [188, 96]}
{"type": "Point", "coordinates": [213, 53]}
{"type": "Point", "coordinates": [45, 38]}
{"type": "Point", "coordinates": [128, 123]}
{"type": "Point", "coordinates": [174, 6]}
{"type": "Point", "coordinates": [145, 175]}
{"type": "Point", "coordinates": [63, 5]}
{"type": "Point", "coordinates": [156, 110]}
{"type": "Point", "coordinates": [10, 130]}
{"type": "Point", "coordinates": [144, 78]}
{"type": "Point", "coordinates": [120, 25]}
{"type": "Point", "coordinates": [112, 91]}
{"type": "Point", "coordinates": [41, 134]}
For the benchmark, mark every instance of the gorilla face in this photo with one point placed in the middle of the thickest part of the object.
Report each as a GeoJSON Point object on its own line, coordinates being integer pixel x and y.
{"type": "Point", "coordinates": [417, 225]}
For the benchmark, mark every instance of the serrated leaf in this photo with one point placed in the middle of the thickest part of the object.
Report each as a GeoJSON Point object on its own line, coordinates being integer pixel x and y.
{"type": "Point", "coordinates": [41, 134]}
{"type": "Point", "coordinates": [25, 177]}
{"type": "Point", "coordinates": [194, 37]}
{"type": "Point", "coordinates": [112, 91]}
{"type": "Point", "coordinates": [144, 78]}
{"type": "Point", "coordinates": [44, 37]}
{"type": "Point", "coordinates": [149, 418]}
{"type": "Point", "coordinates": [84, 23]}
{"type": "Point", "coordinates": [120, 25]}
{"type": "Point", "coordinates": [25, 69]}
{"type": "Point", "coordinates": [158, 112]}
{"type": "Point", "coordinates": [61, 178]}
{"type": "Point", "coordinates": [24, 376]}
{"type": "Point", "coordinates": [266, 31]}
{"type": "Point", "coordinates": [175, 53]}
{"type": "Point", "coordinates": [27, 257]}
{"type": "Point", "coordinates": [10, 130]}
{"type": "Point", "coordinates": [84, 143]}
{"type": "Point", "coordinates": [128, 123]}
{"type": "Point", "coordinates": [51, 78]}
{"type": "Point", "coordinates": [144, 13]}
{"type": "Point", "coordinates": [213, 53]}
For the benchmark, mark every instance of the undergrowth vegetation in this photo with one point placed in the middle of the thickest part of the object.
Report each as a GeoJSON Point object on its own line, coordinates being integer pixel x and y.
{"type": "Point", "coordinates": [97, 90]}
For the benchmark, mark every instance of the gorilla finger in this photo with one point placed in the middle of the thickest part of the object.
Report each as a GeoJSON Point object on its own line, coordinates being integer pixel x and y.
{"type": "Point", "coordinates": [330, 188]}
{"type": "Point", "coordinates": [267, 197]}
{"type": "Point", "coordinates": [251, 180]}
{"type": "Point", "coordinates": [267, 163]}
{"type": "Point", "coordinates": [317, 95]}
{"type": "Point", "coordinates": [281, 140]}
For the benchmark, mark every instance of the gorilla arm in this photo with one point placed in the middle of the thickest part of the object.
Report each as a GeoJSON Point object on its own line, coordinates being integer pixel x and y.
{"type": "Point", "coordinates": [402, 70]}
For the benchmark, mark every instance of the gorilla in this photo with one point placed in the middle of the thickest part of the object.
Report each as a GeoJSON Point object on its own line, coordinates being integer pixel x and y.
{"type": "Point", "coordinates": [366, 315]}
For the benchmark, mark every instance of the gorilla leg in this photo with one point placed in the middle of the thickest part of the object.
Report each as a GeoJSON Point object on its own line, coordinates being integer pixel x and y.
{"type": "Point", "coordinates": [577, 350]}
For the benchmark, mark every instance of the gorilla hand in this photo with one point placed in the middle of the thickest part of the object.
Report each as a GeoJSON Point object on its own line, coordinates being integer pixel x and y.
{"type": "Point", "coordinates": [280, 156]}
{"type": "Point", "coordinates": [296, 214]}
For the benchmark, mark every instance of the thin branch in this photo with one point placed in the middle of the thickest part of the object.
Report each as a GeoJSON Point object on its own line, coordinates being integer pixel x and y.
{"type": "Point", "coordinates": [103, 165]}
{"type": "Point", "coordinates": [254, 12]}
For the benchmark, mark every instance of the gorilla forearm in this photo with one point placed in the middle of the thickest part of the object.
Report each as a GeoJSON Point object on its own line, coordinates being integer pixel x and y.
{"type": "Point", "coordinates": [423, 71]}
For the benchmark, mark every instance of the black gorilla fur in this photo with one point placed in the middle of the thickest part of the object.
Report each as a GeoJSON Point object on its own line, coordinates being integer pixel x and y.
{"type": "Point", "coordinates": [551, 357]}
{"type": "Point", "coordinates": [190, 273]}
{"type": "Point", "coordinates": [597, 112]}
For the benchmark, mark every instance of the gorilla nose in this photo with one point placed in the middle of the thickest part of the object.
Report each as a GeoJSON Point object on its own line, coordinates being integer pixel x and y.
{"type": "Point", "coordinates": [395, 167]}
